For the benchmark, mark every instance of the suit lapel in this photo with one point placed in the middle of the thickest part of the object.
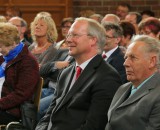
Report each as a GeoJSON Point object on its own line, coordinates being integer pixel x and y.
{"type": "Point", "coordinates": [79, 83]}
{"type": "Point", "coordinates": [113, 55]}
{"type": "Point", "coordinates": [67, 83]}
{"type": "Point", "coordinates": [84, 77]}
{"type": "Point", "coordinates": [120, 100]}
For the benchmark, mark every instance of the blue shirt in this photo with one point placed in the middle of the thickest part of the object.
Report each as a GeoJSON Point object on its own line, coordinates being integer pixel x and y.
{"type": "Point", "coordinates": [134, 89]}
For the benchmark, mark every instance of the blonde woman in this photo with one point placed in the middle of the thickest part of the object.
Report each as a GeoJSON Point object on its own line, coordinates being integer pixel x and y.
{"type": "Point", "coordinates": [44, 35]}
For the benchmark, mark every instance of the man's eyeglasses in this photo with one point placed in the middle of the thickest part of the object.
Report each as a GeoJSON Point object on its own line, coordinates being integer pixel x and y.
{"type": "Point", "coordinates": [18, 25]}
{"type": "Point", "coordinates": [74, 35]}
{"type": "Point", "coordinates": [145, 32]}
{"type": "Point", "coordinates": [108, 37]}
{"type": "Point", "coordinates": [66, 27]}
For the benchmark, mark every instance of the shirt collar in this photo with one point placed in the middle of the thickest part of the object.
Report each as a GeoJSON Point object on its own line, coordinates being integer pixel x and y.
{"type": "Point", "coordinates": [110, 52]}
{"type": "Point", "coordinates": [84, 64]}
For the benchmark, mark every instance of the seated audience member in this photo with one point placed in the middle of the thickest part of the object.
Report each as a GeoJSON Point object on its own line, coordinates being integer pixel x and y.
{"type": "Point", "coordinates": [150, 26]}
{"type": "Point", "coordinates": [134, 18]}
{"type": "Point", "coordinates": [111, 18]}
{"type": "Point", "coordinates": [50, 72]}
{"type": "Point", "coordinates": [85, 89]}
{"type": "Point", "coordinates": [44, 35]}
{"type": "Point", "coordinates": [19, 74]}
{"type": "Point", "coordinates": [21, 25]}
{"type": "Point", "coordinates": [122, 10]}
{"type": "Point", "coordinates": [12, 11]}
{"type": "Point", "coordinates": [147, 13]}
{"type": "Point", "coordinates": [112, 54]}
{"type": "Point", "coordinates": [128, 32]}
{"type": "Point", "coordinates": [97, 17]}
{"type": "Point", "coordinates": [86, 13]}
{"type": "Point", "coordinates": [136, 105]}
{"type": "Point", "coordinates": [65, 26]}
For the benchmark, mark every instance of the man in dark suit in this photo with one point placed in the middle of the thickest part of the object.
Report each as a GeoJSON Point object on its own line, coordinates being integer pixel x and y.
{"type": "Point", "coordinates": [82, 103]}
{"type": "Point", "coordinates": [113, 54]}
{"type": "Point", "coordinates": [136, 105]}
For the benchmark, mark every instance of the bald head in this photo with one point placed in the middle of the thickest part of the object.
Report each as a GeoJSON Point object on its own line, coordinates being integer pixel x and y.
{"type": "Point", "coordinates": [111, 18]}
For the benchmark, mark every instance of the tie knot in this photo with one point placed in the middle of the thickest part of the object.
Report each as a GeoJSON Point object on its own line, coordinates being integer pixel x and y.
{"type": "Point", "coordinates": [78, 71]}
{"type": "Point", "coordinates": [104, 56]}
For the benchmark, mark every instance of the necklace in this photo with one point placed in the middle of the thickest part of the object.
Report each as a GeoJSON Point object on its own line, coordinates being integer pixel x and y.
{"type": "Point", "coordinates": [40, 49]}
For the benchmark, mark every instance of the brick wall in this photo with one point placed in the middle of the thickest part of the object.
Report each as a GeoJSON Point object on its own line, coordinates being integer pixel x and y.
{"type": "Point", "coordinates": [108, 6]}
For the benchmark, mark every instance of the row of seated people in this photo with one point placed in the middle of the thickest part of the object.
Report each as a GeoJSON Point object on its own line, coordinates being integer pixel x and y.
{"type": "Point", "coordinates": [48, 55]}
{"type": "Point", "coordinates": [79, 102]}
{"type": "Point", "coordinates": [69, 101]}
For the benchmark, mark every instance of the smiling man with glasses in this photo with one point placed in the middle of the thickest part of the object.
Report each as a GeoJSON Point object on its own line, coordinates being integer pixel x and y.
{"type": "Point", "coordinates": [114, 55]}
{"type": "Point", "coordinates": [85, 89]}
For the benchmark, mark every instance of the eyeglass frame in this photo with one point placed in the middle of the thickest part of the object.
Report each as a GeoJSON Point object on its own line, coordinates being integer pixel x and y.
{"type": "Point", "coordinates": [68, 27]}
{"type": "Point", "coordinates": [75, 35]}
{"type": "Point", "coordinates": [145, 32]}
{"type": "Point", "coordinates": [108, 37]}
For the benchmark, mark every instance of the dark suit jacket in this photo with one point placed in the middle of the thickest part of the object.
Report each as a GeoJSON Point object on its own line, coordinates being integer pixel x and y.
{"type": "Point", "coordinates": [85, 106]}
{"type": "Point", "coordinates": [21, 77]}
{"type": "Point", "coordinates": [48, 70]}
{"type": "Point", "coordinates": [141, 111]}
{"type": "Point", "coordinates": [116, 60]}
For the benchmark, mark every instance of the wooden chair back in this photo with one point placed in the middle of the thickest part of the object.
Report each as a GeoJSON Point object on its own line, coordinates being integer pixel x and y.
{"type": "Point", "coordinates": [37, 94]}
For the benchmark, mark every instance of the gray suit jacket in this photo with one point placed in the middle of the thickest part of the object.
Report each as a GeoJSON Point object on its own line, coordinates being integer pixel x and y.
{"type": "Point", "coordinates": [141, 111]}
{"type": "Point", "coordinates": [85, 106]}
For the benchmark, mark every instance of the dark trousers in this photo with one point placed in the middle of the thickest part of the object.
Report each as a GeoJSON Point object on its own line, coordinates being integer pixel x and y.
{"type": "Point", "coordinates": [5, 118]}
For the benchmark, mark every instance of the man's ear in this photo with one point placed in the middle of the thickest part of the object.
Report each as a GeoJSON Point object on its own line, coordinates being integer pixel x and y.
{"type": "Point", "coordinates": [118, 39]}
{"type": "Point", "coordinates": [23, 29]}
{"type": "Point", "coordinates": [158, 36]}
{"type": "Point", "coordinates": [153, 61]}
{"type": "Point", "coordinates": [93, 41]}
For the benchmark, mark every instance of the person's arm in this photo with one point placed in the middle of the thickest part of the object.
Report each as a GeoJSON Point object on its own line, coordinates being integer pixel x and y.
{"type": "Point", "coordinates": [51, 67]}
{"type": "Point", "coordinates": [46, 69]}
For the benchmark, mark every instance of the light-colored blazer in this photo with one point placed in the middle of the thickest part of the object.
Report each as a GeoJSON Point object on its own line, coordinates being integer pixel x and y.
{"type": "Point", "coordinates": [141, 111]}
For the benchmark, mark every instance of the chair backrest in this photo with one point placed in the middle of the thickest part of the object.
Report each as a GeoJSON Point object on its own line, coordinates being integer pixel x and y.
{"type": "Point", "coordinates": [37, 94]}
{"type": "Point", "coordinates": [29, 110]}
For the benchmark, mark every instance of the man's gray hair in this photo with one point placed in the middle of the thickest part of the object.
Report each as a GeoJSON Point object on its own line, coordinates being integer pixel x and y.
{"type": "Point", "coordinates": [152, 45]}
{"type": "Point", "coordinates": [114, 18]}
{"type": "Point", "coordinates": [95, 29]}
{"type": "Point", "coordinates": [117, 29]}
